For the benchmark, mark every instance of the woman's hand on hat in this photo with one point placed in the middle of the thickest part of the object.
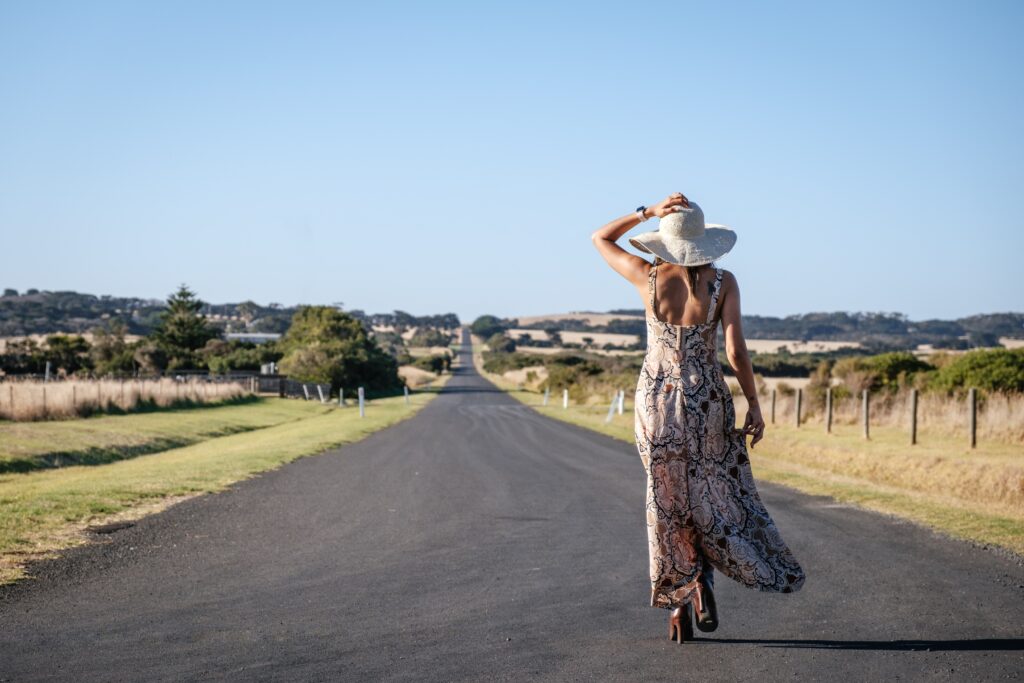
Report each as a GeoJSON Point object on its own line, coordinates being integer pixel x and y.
{"type": "Point", "coordinates": [676, 201]}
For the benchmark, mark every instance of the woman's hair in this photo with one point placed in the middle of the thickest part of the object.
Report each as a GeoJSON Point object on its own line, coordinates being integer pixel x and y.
{"type": "Point", "coordinates": [691, 273]}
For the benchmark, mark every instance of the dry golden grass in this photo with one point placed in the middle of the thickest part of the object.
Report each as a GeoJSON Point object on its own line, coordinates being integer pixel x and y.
{"type": "Point", "coordinates": [599, 338]}
{"type": "Point", "coordinates": [797, 346]}
{"type": "Point", "coordinates": [72, 398]}
{"type": "Point", "coordinates": [416, 377]}
{"type": "Point", "coordinates": [1000, 416]}
{"type": "Point", "coordinates": [418, 351]}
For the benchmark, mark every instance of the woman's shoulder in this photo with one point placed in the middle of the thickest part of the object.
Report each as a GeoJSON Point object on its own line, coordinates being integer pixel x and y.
{"type": "Point", "coordinates": [728, 279]}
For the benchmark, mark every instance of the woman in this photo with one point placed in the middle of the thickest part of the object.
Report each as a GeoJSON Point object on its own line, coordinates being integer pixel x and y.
{"type": "Point", "coordinates": [703, 509]}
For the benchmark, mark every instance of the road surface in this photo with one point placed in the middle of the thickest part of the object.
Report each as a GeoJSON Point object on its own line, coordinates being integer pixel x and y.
{"type": "Point", "coordinates": [482, 541]}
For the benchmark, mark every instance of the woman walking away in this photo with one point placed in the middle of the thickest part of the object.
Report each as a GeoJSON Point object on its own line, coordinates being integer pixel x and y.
{"type": "Point", "coordinates": [703, 509]}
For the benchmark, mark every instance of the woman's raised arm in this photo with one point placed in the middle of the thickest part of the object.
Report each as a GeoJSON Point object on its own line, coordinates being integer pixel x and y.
{"type": "Point", "coordinates": [630, 266]}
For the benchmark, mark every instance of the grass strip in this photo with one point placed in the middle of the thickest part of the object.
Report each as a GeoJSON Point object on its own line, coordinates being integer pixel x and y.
{"type": "Point", "coordinates": [26, 446]}
{"type": "Point", "coordinates": [970, 495]}
{"type": "Point", "coordinates": [44, 511]}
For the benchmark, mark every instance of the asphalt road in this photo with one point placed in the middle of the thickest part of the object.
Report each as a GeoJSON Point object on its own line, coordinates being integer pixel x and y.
{"type": "Point", "coordinates": [481, 541]}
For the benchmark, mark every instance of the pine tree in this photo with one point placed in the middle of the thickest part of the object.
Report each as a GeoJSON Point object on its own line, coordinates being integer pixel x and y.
{"type": "Point", "coordinates": [182, 331]}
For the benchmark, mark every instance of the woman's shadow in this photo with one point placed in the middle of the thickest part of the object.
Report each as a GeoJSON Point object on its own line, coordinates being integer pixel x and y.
{"type": "Point", "coordinates": [965, 645]}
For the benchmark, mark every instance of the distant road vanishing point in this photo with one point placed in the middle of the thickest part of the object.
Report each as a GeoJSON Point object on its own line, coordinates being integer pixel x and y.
{"type": "Point", "coordinates": [482, 541]}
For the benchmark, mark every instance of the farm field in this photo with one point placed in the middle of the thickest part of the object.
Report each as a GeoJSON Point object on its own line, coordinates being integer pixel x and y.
{"type": "Point", "coordinates": [976, 495]}
{"type": "Point", "coordinates": [45, 510]}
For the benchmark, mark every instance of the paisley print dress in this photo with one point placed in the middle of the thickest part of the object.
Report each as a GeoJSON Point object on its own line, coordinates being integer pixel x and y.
{"type": "Point", "coordinates": [703, 510]}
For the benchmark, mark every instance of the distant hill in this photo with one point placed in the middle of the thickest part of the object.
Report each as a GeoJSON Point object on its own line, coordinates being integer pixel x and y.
{"type": "Point", "coordinates": [44, 312]}
{"type": "Point", "coordinates": [880, 331]}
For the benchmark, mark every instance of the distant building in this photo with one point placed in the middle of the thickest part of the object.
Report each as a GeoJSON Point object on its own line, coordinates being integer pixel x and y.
{"type": "Point", "coordinates": [253, 337]}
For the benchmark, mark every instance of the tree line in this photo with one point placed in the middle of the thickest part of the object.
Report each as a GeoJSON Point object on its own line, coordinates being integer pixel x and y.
{"type": "Point", "coordinates": [320, 344]}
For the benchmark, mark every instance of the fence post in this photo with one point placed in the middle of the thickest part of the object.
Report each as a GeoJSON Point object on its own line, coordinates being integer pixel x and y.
{"type": "Point", "coordinates": [866, 411]}
{"type": "Point", "coordinates": [44, 400]}
{"type": "Point", "coordinates": [280, 387]}
{"type": "Point", "coordinates": [972, 398]}
{"type": "Point", "coordinates": [622, 400]}
{"type": "Point", "coordinates": [122, 393]}
{"type": "Point", "coordinates": [46, 378]}
{"type": "Point", "coordinates": [913, 416]}
{"type": "Point", "coordinates": [773, 406]}
{"type": "Point", "coordinates": [406, 390]}
{"type": "Point", "coordinates": [799, 402]}
{"type": "Point", "coordinates": [565, 399]}
{"type": "Point", "coordinates": [305, 390]}
{"type": "Point", "coordinates": [362, 403]}
{"type": "Point", "coordinates": [828, 410]}
{"type": "Point", "coordinates": [320, 392]}
{"type": "Point", "coordinates": [547, 394]}
{"type": "Point", "coordinates": [74, 401]}
{"type": "Point", "coordinates": [611, 408]}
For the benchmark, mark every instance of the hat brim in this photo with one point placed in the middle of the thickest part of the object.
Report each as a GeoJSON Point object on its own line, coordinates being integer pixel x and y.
{"type": "Point", "coordinates": [716, 242]}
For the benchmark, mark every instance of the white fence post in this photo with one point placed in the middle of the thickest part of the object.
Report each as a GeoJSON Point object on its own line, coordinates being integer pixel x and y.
{"type": "Point", "coordinates": [611, 408]}
{"type": "Point", "coordinates": [319, 390]}
{"type": "Point", "coordinates": [305, 390]}
{"type": "Point", "coordinates": [622, 400]}
{"type": "Point", "coordinates": [362, 403]}
{"type": "Point", "coordinates": [406, 388]}
{"type": "Point", "coordinates": [565, 399]}
{"type": "Point", "coordinates": [341, 397]}
{"type": "Point", "coordinates": [547, 395]}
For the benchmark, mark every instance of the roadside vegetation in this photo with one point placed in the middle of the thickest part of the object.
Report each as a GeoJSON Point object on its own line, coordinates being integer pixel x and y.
{"type": "Point", "coordinates": [973, 494]}
{"type": "Point", "coordinates": [184, 358]}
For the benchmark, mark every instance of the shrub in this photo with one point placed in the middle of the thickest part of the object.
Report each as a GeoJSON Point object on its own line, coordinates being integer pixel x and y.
{"type": "Point", "coordinates": [436, 363]}
{"type": "Point", "coordinates": [499, 342]}
{"type": "Point", "coordinates": [989, 369]}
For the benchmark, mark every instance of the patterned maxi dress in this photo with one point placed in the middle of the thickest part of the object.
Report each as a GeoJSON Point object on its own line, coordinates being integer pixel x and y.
{"type": "Point", "coordinates": [703, 509]}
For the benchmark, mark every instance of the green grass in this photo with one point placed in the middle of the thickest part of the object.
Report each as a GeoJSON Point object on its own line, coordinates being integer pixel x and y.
{"type": "Point", "coordinates": [100, 439]}
{"type": "Point", "coordinates": [975, 495]}
{"type": "Point", "coordinates": [46, 510]}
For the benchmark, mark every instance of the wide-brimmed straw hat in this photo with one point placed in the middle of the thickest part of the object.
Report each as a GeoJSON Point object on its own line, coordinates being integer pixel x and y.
{"type": "Point", "coordinates": [683, 238]}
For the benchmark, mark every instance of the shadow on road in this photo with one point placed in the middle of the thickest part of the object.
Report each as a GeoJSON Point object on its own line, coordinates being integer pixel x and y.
{"type": "Point", "coordinates": [992, 644]}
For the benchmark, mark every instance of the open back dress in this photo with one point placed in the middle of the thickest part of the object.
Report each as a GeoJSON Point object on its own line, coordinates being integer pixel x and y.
{"type": "Point", "coordinates": [703, 510]}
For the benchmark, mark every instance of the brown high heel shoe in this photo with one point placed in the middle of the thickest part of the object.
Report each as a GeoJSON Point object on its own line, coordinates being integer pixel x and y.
{"type": "Point", "coordinates": [705, 609]}
{"type": "Point", "coordinates": [680, 624]}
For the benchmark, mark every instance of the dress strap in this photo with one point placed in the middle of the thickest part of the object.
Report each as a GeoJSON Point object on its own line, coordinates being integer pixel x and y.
{"type": "Point", "coordinates": [714, 295]}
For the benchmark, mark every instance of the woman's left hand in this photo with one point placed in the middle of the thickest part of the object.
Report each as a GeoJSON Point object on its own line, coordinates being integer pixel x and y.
{"type": "Point", "coordinates": [675, 202]}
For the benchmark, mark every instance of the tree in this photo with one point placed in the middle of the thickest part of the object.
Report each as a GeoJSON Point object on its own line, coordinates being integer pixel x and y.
{"type": "Point", "coordinates": [110, 353]}
{"type": "Point", "coordinates": [325, 345]}
{"type": "Point", "coordinates": [487, 326]}
{"type": "Point", "coordinates": [182, 331]}
{"type": "Point", "coordinates": [67, 354]}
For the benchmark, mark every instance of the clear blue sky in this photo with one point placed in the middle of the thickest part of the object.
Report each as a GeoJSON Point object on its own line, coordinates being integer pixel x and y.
{"type": "Point", "coordinates": [446, 156]}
